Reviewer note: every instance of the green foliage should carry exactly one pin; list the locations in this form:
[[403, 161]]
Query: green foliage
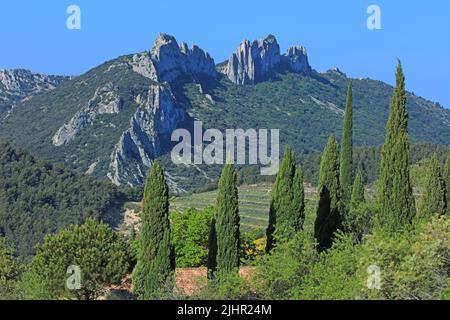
[[357, 191], [413, 264], [360, 219], [227, 286], [329, 209], [446, 177], [298, 199], [446, 295], [346, 163], [212, 250], [434, 200], [394, 185], [252, 246], [190, 230], [281, 272], [39, 198], [332, 277], [156, 260], [10, 272], [227, 222], [102, 256], [286, 212]]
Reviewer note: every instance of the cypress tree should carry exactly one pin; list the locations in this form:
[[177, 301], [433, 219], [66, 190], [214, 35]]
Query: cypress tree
[[227, 222], [329, 209], [346, 164], [299, 200], [446, 176], [156, 259], [212, 250], [394, 185], [357, 191], [433, 201], [282, 208]]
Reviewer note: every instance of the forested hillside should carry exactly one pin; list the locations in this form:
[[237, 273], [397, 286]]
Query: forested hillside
[[39, 198]]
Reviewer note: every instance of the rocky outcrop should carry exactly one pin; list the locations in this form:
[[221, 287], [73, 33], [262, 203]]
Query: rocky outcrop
[[21, 81], [17, 85], [106, 100], [296, 60], [256, 61], [156, 117], [167, 61]]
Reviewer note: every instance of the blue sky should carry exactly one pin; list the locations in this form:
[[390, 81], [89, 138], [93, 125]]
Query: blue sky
[[34, 34]]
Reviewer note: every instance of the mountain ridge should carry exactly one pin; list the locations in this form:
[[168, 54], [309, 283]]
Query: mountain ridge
[[116, 119]]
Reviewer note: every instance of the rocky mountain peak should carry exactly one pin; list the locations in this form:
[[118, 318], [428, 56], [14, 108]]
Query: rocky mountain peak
[[296, 59], [255, 61], [167, 60]]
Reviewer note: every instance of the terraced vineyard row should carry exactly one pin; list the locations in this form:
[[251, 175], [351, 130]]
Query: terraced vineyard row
[[254, 204]]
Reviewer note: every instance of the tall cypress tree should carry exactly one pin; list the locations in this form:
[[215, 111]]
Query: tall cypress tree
[[156, 259], [346, 164], [446, 176], [434, 198], [329, 209], [394, 185], [212, 250], [357, 191], [227, 222], [299, 200], [282, 208]]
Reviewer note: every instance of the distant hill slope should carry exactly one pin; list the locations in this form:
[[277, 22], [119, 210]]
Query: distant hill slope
[[117, 118], [38, 198], [17, 85]]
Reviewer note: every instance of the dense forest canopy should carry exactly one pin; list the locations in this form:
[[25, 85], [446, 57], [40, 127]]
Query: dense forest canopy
[[39, 198]]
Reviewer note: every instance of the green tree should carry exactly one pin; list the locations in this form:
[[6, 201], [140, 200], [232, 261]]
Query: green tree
[[212, 250], [433, 200], [156, 259], [346, 164], [446, 176], [285, 208], [394, 185], [190, 230], [329, 209], [357, 191], [101, 255], [227, 222], [299, 199], [10, 272]]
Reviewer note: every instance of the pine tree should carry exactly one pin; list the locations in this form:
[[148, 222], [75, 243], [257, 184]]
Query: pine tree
[[446, 176], [329, 209], [299, 200], [433, 201], [357, 191], [156, 259], [282, 208], [212, 250], [346, 163], [394, 185], [227, 222]]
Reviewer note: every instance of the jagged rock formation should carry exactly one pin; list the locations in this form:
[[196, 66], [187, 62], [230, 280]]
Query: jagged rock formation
[[296, 60], [105, 101], [167, 61], [19, 84], [157, 116], [157, 112], [256, 61]]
